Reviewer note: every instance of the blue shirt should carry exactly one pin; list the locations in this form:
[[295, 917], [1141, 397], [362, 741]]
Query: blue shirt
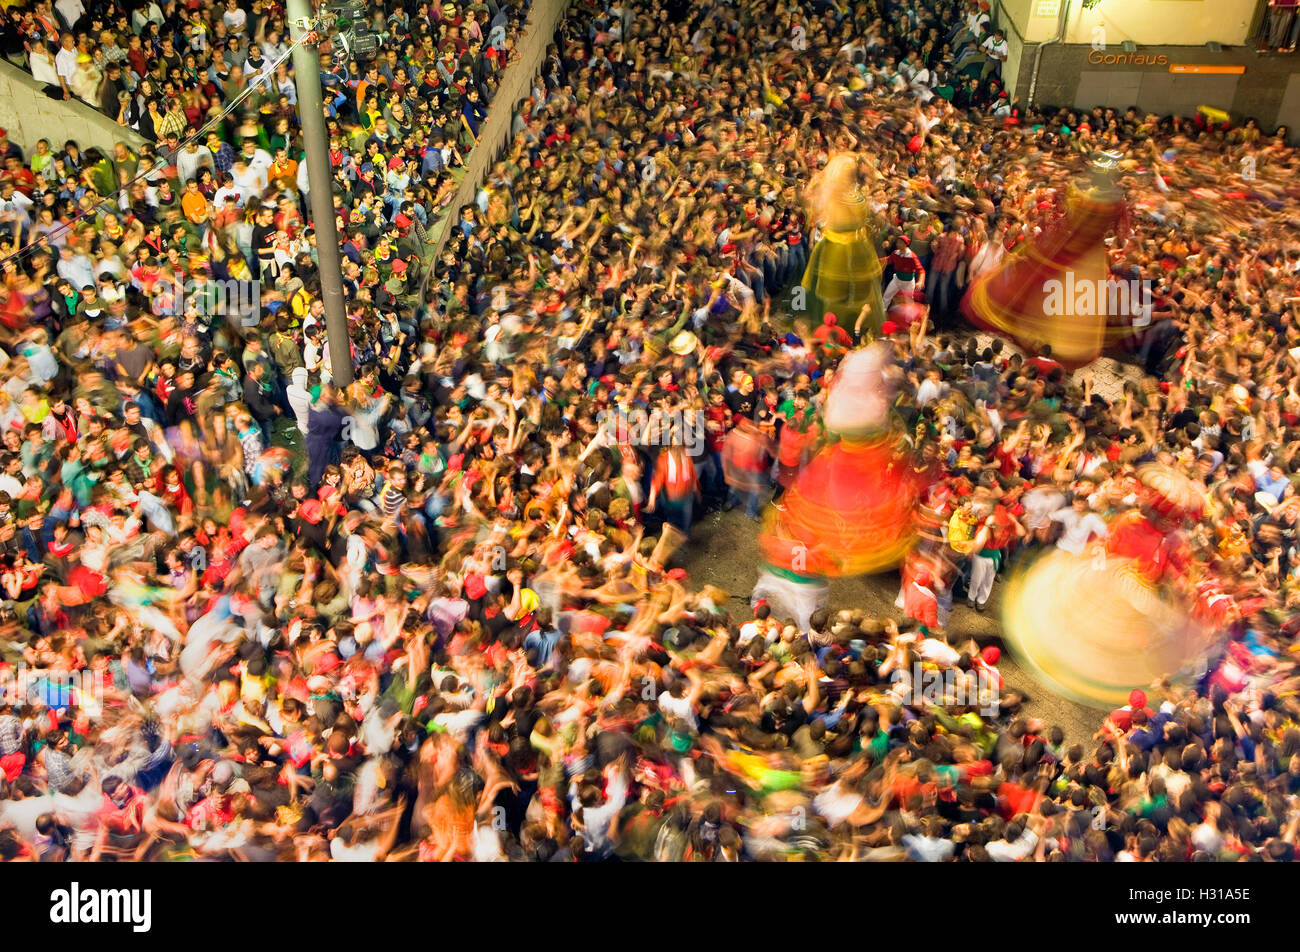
[[1274, 487], [543, 642], [1151, 735]]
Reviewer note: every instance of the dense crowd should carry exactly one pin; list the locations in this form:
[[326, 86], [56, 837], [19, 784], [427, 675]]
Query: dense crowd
[[440, 614], [209, 88]]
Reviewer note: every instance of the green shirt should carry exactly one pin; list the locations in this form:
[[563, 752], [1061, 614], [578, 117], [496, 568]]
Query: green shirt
[[878, 746]]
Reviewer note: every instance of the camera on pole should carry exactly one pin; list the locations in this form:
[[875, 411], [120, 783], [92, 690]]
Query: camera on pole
[[353, 32]]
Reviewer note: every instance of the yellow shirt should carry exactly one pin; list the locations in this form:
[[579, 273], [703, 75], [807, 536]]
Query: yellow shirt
[[961, 531]]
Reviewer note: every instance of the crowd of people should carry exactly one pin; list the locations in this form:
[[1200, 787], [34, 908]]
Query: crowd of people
[[209, 88], [440, 614]]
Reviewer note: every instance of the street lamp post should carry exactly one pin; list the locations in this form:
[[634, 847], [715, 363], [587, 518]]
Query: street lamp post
[[311, 113]]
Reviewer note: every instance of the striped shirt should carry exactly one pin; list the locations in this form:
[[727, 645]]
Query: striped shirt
[[59, 769], [392, 500], [11, 735]]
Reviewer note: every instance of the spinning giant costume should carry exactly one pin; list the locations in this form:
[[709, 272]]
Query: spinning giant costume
[[843, 273], [1056, 288], [1123, 612], [850, 510]]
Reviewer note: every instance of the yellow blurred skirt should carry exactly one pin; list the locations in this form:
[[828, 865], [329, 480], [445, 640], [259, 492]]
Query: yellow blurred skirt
[[842, 276]]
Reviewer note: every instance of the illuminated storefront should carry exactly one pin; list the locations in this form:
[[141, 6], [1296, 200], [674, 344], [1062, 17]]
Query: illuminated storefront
[[1163, 56]]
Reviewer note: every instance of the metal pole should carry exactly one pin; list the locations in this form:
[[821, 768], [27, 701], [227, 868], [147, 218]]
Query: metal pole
[[311, 112], [1038, 53]]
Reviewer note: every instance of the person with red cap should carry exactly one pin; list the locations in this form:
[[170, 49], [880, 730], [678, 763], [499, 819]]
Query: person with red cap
[[985, 664], [1122, 717], [831, 339], [909, 273]]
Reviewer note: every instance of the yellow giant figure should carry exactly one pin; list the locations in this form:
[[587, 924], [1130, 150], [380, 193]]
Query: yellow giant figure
[[843, 273]]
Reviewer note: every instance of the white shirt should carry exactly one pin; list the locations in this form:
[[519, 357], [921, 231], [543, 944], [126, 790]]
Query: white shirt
[[188, 163], [311, 352], [1207, 837], [300, 402], [364, 852], [998, 48], [932, 649], [257, 72], [142, 15], [596, 820], [929, 391], [928, 849], [81, 811], [837, 804], [17, 205], [43, 69], [680, 708], [10, 485], [365, 424], [24, 813], [1039, 505], [260, 160], [65, 63], [1077, 528], [219, 199], [459, 724], [251, 181], [70, 10], [1000, 851]]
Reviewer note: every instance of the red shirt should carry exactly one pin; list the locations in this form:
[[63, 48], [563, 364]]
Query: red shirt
[[793, 441], [1008, 464], [908, 788], [23, 179], [1044, 365], [1002, 533], [746, 451], [1014, 799], [127, 818], [475, 586], [837, 335], [921, 604], [1123, 717], [209, 813], [720, 415], [675, 476]]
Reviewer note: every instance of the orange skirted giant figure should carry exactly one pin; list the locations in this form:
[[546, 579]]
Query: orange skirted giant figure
[[843, 273], [1126, 610], [850, 510], [1057, 288]]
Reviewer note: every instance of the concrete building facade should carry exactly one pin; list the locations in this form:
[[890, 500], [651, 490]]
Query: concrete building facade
[[1163, 56]]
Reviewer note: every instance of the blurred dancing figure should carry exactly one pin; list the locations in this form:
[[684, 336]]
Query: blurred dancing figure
[[843, 275]]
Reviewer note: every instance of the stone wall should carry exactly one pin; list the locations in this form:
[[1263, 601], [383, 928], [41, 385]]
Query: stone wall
[[28, 114]]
